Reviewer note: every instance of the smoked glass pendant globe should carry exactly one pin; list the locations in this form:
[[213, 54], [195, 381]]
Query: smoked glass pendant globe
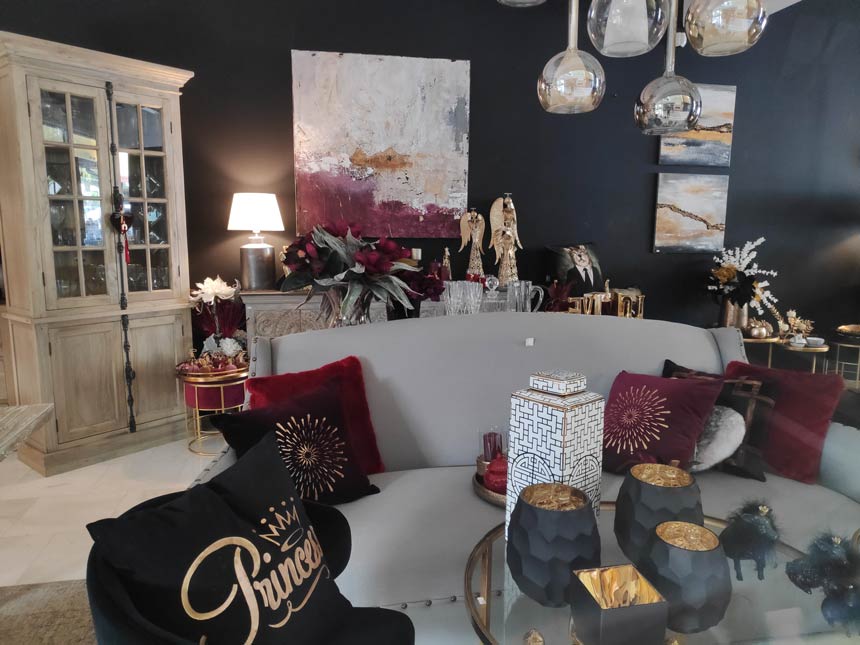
[[521, 3], [624, 28], [572, 82], [724, 27], [667, 105]]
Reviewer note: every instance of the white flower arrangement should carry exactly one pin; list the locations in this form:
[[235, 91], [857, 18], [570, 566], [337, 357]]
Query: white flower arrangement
[[735, 268], [763, 298], [227, 346], [209, 290]]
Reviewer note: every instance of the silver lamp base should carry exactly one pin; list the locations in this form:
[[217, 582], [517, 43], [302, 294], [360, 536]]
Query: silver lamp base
[[258, 267]]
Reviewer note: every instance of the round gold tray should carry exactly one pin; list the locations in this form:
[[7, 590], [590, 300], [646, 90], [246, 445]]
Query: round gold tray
[[496, 499]]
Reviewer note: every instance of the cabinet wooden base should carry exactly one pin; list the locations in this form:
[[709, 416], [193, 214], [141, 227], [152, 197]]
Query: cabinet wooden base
[[112, 446]]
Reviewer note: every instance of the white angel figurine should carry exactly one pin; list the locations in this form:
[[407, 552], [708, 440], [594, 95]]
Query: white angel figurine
[[472, 229], [505, 238]]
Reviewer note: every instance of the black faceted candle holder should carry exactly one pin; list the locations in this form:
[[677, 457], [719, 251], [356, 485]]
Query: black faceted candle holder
[[652, 494], [610, 605], [686, 563], [552, 532]]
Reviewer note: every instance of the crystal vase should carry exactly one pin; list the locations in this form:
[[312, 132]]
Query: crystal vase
[[331, 308]]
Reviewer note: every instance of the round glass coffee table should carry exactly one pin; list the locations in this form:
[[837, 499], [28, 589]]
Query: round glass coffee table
[[772, 610]]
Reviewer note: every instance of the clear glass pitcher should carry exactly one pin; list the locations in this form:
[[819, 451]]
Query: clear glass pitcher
[[521, 295]]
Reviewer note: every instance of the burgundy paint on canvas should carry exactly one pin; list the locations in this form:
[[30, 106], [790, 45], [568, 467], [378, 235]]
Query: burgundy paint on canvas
[[382, 142]]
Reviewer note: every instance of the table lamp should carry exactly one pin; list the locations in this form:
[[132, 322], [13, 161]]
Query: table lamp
[[256, 212]]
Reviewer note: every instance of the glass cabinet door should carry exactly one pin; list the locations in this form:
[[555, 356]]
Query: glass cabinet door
[[70, 148], [142, 167]]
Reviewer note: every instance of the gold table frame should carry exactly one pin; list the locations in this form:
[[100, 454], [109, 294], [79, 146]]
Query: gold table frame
[[193, 416], [854, 384], [806, 349], [769, 341], [478, 601]]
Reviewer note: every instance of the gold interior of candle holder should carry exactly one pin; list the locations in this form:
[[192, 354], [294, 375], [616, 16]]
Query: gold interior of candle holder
[[685, 535], [554, 497], [617, 587], [662, 475]]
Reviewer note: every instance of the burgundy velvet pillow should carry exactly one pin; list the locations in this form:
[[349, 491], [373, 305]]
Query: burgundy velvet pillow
[[804, 405], [348, 381], [650, 419], [312, 442]]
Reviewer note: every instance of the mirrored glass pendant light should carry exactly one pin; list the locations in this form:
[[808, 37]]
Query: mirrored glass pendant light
[[670, 103], [724, 27], [521, 3], [573, 81], [624, 28]]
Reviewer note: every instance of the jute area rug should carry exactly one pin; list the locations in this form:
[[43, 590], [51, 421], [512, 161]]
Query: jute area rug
[[49, 613]]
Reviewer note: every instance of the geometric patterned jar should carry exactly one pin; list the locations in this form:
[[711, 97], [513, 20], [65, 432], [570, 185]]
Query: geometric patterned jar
[[556, 436]]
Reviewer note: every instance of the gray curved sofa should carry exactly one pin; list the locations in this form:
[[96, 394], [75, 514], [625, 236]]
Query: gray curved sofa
[[433, 384]]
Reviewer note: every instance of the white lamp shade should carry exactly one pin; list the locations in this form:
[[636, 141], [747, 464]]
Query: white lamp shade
[[255, 212]]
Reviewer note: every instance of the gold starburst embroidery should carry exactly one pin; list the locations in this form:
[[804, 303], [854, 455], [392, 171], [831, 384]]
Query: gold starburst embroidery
[[313, 454], [635, 419]]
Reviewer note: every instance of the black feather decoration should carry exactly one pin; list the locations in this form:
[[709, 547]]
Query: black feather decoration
[[751, 534]]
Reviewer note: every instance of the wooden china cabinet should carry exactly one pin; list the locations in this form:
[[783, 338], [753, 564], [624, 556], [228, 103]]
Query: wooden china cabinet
[[70, 297]]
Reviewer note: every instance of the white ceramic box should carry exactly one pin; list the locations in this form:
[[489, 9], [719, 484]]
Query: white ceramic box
[[556, 435]]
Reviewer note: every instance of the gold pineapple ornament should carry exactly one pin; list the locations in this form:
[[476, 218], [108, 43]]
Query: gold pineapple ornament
[[472, 230]]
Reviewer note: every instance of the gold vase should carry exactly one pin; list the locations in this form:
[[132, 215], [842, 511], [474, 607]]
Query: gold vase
[[732, 315]]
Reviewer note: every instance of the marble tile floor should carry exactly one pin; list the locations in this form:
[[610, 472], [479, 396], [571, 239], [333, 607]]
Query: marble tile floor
[[42, 519]]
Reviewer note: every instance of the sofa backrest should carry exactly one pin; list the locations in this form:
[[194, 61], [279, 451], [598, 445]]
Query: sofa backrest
[[434, 384]]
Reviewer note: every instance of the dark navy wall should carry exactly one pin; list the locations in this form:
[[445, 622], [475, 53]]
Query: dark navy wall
[[795, 175]]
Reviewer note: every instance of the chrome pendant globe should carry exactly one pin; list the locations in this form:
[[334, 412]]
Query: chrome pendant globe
[[671, 103], [724, 27], [625, 28], [667, 105], [573, 81]]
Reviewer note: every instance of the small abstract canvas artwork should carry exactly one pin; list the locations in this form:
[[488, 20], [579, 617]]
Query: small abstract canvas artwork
[[691, 213], [710, 142], [381, 142]]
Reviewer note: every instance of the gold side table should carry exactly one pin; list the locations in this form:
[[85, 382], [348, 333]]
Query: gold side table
[[770, 342], [210, 394], [806, 349], [853, 367]]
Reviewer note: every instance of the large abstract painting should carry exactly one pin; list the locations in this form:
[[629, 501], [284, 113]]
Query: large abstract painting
[[381, 142], [691, 213], [710, 142]]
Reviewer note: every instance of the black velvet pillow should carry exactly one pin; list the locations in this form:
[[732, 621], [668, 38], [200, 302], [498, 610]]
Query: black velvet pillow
[[312, 441], [235, 559], [754, 401]]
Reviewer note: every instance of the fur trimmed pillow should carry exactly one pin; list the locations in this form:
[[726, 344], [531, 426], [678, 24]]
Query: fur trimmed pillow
[[723, 434]]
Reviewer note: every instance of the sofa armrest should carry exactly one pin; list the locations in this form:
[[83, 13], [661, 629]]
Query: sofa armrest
[[730, 344], [839, 470], [261, 356]]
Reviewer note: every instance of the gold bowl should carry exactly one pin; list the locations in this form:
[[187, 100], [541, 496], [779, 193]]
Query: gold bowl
[[852, 331]]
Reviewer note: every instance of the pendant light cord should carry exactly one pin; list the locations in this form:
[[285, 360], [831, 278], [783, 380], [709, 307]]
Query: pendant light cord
[[572, 24], [671, 34]]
